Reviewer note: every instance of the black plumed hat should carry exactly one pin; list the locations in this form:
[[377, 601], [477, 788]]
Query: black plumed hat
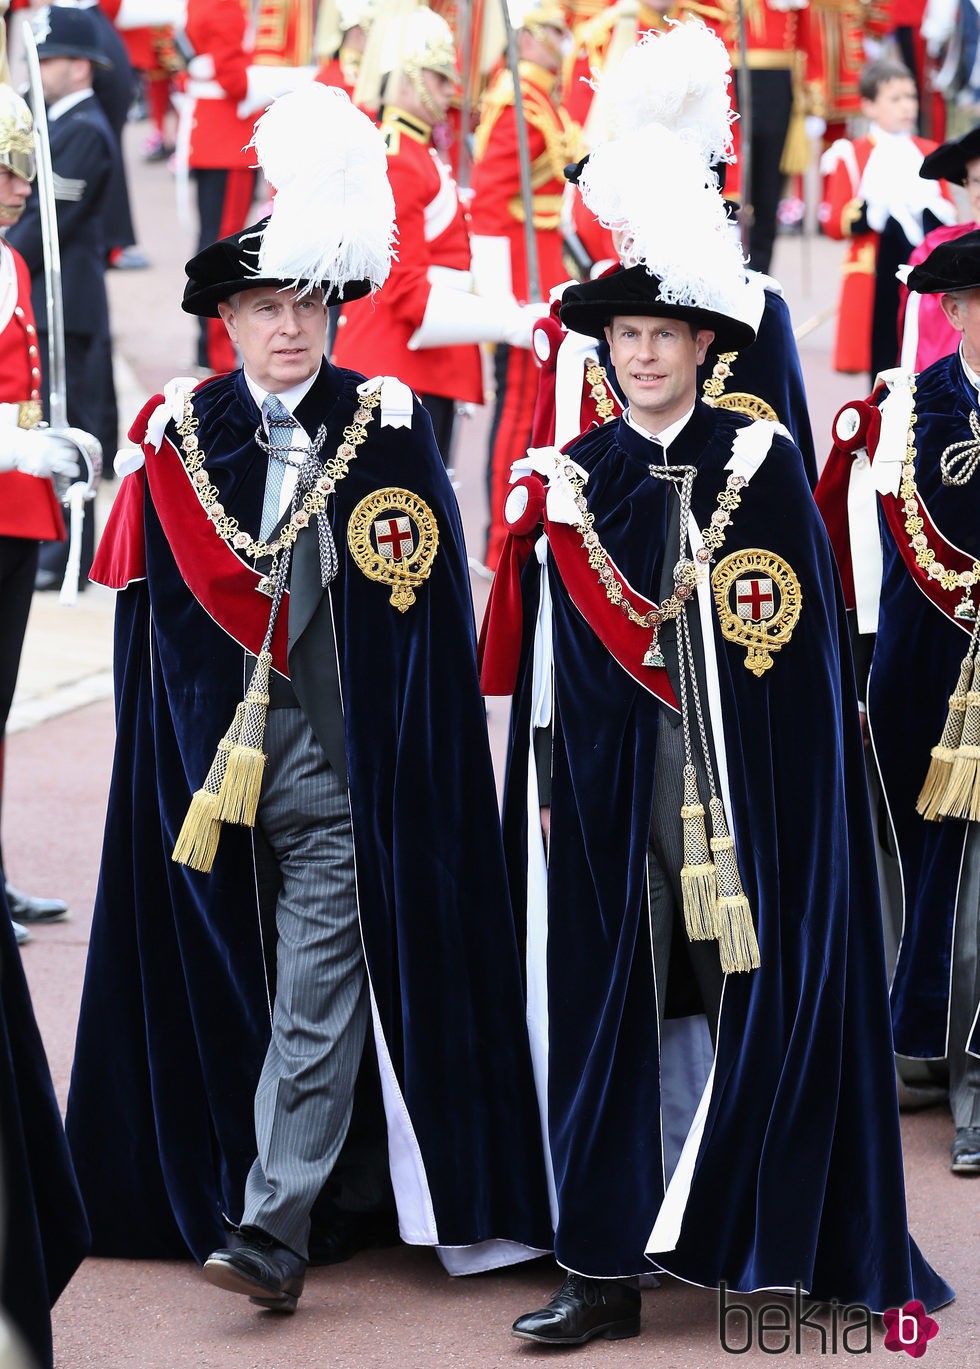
[[231, 264]]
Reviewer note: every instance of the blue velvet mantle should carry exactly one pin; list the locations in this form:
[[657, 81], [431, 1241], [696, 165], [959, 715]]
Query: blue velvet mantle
[[917, 657], [174, 1017], [45, 1235], [799, 1172]]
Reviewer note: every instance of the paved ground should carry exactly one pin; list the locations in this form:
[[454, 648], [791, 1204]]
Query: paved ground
[[390, 1308]]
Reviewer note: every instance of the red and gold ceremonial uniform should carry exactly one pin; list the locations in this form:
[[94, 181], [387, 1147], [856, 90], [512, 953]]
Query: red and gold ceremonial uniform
[[840, 28], [842, 218], [593, 41], [284, 33], [433, 244], [554, 140], [28, 506]]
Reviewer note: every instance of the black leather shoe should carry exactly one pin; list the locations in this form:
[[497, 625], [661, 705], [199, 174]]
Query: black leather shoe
[[24, 908], [582, 1310], [255, 1264], [965, 1156]]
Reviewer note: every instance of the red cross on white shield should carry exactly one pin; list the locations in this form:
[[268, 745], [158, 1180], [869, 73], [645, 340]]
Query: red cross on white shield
[[394, 538], [754, 599]]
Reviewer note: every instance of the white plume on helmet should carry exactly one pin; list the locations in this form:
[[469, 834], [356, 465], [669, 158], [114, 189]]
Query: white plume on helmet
[[677, 77], [671, 218], [333, 217]]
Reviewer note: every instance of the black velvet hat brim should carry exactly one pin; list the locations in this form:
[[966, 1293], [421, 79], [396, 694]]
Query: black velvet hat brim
[[948, 163], [590, 307], [953, 265], [204, 300]]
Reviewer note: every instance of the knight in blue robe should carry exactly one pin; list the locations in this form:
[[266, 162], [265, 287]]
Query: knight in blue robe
[[369, 871], [917, 587], [738, 1126]]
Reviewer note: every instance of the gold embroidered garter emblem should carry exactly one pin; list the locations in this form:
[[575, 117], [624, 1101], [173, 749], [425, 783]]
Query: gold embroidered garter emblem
[[759, 601], [393, 537]]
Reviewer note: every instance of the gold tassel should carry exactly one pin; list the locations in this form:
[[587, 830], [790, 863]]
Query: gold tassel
[[943, 755], [698, 884], [238, 798], [737, 942], [961, 797], [197, 841]]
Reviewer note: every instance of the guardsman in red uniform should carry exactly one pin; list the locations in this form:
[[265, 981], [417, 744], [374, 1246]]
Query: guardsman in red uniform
[[29, 510], [228, 85], [341, 32], [425, 325], [497, 218]]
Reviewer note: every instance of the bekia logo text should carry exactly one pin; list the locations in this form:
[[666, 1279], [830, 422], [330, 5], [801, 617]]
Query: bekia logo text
[[778, 1327]]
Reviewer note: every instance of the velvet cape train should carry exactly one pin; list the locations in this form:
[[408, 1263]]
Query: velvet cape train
[[917, 656], [45, 1231], [798, 1175], [175, 1010]]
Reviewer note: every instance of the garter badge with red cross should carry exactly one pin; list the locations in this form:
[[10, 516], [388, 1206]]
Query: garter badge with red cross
[[393, 538], [759, 601]]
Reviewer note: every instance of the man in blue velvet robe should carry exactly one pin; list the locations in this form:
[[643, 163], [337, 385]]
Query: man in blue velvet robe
[[739, 1126], [373, 875], [920, 592]]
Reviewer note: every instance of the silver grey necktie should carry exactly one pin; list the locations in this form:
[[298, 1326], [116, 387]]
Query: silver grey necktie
[[281, 425]]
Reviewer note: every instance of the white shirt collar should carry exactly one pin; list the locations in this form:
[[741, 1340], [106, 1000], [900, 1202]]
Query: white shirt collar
[[291, 398], [664, 438], [968, 370], [67, 102]]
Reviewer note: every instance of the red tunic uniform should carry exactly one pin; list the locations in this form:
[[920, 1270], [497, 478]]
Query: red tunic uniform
[[218, 137], [28, 506], [373, 334], [593, 39], [554, 141]]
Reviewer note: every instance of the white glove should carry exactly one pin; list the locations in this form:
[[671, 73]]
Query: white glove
[[815, 126], [455, 318], [38, 452], [520, 325], [266, 84]]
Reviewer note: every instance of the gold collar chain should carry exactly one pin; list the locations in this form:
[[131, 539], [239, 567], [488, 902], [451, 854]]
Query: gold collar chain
[[314, 501], [925, 557], [687, 574]]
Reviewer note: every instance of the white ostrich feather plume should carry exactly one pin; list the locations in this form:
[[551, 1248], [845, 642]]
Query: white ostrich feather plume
[[654, 191], [333, 217], [678, 77]]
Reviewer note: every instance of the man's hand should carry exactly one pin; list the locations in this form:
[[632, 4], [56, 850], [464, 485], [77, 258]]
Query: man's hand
[[546, 828]]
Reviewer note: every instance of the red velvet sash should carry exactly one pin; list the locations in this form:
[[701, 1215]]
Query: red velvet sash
[[222, 583], [500, 637], [951, 557]]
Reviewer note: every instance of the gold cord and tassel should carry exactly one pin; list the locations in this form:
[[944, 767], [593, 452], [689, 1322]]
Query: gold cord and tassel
[[197, 842], [929, 802], [698, 882], [961, 797], [737, 941], [242, 783]]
